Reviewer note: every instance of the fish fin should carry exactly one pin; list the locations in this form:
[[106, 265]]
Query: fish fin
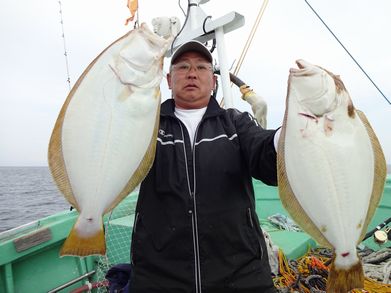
[[56, 160], [77, 245], [288, 198], [342, 281], [145, 164], [380, 173]]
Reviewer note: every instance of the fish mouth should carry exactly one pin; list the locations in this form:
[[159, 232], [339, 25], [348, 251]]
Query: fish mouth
[[313, 88], [300, 64], [304, 68]]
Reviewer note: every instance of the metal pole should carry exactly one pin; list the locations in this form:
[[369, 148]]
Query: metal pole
[[225, 81], [72, 282]]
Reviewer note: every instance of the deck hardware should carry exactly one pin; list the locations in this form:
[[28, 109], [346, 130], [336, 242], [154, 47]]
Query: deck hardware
[[71, 282]]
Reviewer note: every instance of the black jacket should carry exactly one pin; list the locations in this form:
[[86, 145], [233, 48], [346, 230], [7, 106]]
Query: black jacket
[[195, 226]]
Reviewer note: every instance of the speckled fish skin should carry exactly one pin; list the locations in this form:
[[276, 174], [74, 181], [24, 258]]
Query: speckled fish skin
[[331, 167], [103, 143]]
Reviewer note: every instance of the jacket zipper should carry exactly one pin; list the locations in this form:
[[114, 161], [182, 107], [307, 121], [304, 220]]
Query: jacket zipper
[[135, 222], [134, 231], [193, 212]]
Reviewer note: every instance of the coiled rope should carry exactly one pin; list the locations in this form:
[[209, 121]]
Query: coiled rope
[[309, 273]]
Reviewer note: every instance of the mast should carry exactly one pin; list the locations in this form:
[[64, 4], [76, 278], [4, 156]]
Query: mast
[[200, 27]]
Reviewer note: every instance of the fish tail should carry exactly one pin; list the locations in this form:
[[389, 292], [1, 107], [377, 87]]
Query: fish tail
[[344, 280], [82, 245]]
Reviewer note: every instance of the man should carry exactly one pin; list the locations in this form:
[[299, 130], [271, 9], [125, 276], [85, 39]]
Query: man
[[195, 227]]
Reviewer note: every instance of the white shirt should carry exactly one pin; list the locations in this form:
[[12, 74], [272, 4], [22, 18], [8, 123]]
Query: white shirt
[[191, 118]]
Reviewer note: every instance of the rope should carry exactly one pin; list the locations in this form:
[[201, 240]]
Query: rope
[[248, 42], [309, 273], [251, 37], [346, 50], [65, 47], [284, 222]]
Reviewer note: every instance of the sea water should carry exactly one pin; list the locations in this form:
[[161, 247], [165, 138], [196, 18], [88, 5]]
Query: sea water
[[27, 194]]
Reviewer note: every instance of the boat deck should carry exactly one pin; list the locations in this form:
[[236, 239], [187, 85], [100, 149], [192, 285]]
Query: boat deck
[[29, 255]]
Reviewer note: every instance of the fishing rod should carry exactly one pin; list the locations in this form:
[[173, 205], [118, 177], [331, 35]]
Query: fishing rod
[[65, 47], [233, 78], [377, 228], [257, 102]]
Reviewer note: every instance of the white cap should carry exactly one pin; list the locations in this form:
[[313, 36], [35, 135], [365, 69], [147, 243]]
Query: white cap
[[192, 46]]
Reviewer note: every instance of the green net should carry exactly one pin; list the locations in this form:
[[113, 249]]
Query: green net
[[118, 230]]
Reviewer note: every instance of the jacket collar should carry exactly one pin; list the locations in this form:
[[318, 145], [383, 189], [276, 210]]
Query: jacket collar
[[213, 109]]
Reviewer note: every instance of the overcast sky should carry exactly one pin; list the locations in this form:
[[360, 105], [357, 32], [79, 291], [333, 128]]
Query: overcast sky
[[33, 72]]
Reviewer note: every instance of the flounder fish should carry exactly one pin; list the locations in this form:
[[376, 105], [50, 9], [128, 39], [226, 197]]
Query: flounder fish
[[331, 169], [103, 143]]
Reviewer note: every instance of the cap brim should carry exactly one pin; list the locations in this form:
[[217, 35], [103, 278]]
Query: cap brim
[[194, 46]]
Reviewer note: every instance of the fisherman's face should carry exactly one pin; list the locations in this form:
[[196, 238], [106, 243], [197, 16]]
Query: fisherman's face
[[191, 81]]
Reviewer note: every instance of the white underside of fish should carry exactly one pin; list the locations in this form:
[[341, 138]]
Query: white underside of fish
[[340, 171], [103, 143], [105, 137], [330, 164]]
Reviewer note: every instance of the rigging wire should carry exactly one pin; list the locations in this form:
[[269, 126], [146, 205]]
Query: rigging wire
[[248, 42], [65, 47], [183, 26], [251, 37], [346, 50]]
